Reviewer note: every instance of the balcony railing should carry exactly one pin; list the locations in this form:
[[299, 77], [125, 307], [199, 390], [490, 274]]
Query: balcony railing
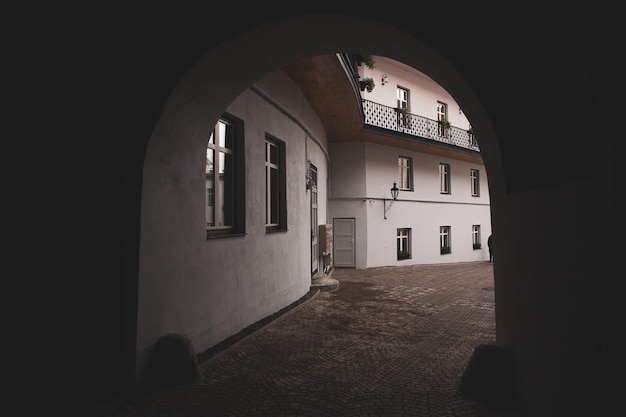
[[390, 118]]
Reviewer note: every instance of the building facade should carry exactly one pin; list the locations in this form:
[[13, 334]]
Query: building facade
[[252, 198], [441, 212], [275, 188]]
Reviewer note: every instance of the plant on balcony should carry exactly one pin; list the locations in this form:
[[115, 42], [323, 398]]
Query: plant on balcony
[[368, 60], [403, 116], [402, 110], [445, 124], [472, 139], [445, 250], [367, 84]]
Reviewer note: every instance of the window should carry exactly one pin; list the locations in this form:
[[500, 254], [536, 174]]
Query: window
[[404, 243], [402, 95], [275, 180], [444, 178], [476, 236], [474, 182], [225, 179], [445, 245], [442, 118], [405, 173]]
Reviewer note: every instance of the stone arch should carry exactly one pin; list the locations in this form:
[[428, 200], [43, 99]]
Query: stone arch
[[170, 190]]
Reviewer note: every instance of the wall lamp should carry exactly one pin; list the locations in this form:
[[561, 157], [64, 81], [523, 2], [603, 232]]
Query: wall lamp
[[385, 79], [394, 195]]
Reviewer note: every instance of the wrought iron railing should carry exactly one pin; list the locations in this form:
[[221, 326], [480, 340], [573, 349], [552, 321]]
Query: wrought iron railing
[[391, 118]]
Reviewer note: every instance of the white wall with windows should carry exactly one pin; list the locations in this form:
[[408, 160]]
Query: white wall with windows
[[442, 213], [216, 211], [408, 88], [418, 214], [260, 158]]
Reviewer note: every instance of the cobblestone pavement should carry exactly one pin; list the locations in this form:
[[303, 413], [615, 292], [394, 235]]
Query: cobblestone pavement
[[391, 341]]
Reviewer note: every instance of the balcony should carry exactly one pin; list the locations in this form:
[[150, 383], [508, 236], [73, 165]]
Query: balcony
[[419, 127]]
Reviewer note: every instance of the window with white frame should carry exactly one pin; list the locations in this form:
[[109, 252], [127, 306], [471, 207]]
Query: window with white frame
[[444, 178], [402, 95], [442, 118], [475, 182], [445, 242], [275, 180], [403, 243], [476, 236], [224, 178], [405, 173]]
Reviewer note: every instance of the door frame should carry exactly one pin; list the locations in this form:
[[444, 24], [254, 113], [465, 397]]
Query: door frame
[[339, 236]]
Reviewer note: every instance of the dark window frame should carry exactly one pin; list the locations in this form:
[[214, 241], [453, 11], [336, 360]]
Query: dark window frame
[[409, 170], [281, 224], [445, 240], [406, 254], [238, 227]]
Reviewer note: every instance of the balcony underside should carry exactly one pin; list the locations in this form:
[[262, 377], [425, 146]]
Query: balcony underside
[[323, 82]]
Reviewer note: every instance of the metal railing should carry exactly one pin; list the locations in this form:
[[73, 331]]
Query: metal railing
[[391, 118]]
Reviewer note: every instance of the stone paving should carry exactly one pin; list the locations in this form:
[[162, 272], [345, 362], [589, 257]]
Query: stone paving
[[390, 341]]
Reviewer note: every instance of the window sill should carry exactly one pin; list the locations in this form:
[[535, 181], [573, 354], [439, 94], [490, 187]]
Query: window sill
[[223, 235], [275, 230]]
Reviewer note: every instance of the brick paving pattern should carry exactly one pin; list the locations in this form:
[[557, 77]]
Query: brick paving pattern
[[390, 341]]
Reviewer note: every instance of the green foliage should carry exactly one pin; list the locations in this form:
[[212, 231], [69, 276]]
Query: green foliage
[[367, 84], [445, 123], [368, 60]]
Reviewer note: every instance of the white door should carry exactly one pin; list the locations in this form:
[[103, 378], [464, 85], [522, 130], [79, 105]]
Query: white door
[[314, 226], [343, 243]]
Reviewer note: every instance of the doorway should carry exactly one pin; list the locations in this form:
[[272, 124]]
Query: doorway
[[312, 182], [344, 253]]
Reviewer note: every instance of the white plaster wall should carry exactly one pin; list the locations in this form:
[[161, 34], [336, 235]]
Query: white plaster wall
[[209, 289], [347, 169], [354, 208], [347, 188], [423, 210], [424, 92]]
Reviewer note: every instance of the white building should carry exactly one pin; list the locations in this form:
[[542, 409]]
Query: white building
[[442, 210], [283, 174]]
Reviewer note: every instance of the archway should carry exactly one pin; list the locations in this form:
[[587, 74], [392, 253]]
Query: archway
[[171, 210], [87, 88]]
